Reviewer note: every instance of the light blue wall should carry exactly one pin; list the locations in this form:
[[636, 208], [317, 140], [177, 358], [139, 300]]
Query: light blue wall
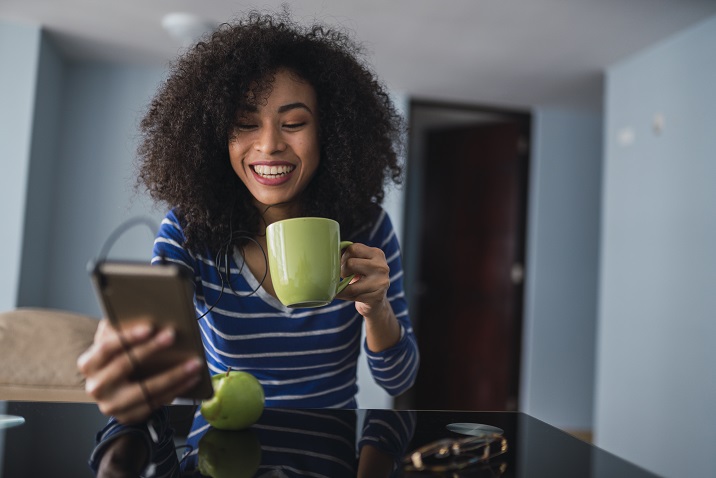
[[68, 138], [67, 145], [562, 266], [370, 394], [94, 177], [656, 375], [40, 193], [19, 52]]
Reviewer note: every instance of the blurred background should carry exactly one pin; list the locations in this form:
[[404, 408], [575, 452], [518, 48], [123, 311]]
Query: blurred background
[[557, 217]]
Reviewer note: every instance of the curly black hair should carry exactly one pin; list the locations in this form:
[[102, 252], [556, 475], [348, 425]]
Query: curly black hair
[[183, 152]]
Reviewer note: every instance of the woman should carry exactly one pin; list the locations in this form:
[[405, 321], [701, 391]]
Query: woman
[[264, 121]]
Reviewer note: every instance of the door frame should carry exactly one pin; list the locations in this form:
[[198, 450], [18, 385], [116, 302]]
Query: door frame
[[425, 113]]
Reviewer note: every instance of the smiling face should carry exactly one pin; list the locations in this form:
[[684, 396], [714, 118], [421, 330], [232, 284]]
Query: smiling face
[[274, 148]]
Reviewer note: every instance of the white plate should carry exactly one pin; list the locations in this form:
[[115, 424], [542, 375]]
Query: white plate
[[474, 429], [7, 421]]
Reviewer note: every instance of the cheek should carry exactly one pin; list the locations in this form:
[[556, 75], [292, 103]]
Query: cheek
[[238, 171], [313, 153], [236, 156]]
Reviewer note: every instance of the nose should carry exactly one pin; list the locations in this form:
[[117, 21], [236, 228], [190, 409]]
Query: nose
[[270, 140]]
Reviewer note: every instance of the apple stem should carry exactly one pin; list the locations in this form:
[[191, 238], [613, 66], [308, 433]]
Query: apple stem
[[227, 372]]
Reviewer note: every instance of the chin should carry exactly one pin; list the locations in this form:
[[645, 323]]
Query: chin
[[274, 201]]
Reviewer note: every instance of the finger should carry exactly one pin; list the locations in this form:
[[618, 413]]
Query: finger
[[368, 288], [129, 406], [360, 286], [101, 329], [365, 267], [363, 294], [108, 344], [175, 381], [118, 370], [360, 250], [134, 403], [136, 330]]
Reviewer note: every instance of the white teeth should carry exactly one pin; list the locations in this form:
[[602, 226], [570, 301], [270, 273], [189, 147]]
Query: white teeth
[[272, 171]]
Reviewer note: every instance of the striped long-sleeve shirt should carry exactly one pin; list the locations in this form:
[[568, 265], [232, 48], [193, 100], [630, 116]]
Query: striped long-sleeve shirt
[[304, 358]]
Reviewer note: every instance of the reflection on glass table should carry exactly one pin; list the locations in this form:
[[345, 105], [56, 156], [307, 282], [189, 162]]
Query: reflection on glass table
[[300, 443], [58, 439], [8, 421]]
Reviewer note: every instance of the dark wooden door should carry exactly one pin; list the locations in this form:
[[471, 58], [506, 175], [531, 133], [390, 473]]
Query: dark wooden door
[[469, 313]]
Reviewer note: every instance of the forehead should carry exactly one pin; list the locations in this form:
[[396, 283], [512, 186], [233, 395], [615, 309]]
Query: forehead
[[285, 87]]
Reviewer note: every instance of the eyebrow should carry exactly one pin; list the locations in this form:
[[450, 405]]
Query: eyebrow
[[293, 106], [282, 109]]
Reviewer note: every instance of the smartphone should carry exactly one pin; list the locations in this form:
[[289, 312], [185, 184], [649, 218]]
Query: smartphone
[[161, 294]]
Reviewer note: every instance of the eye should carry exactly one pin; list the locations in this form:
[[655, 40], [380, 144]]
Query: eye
[[291, 126], [246, 127]]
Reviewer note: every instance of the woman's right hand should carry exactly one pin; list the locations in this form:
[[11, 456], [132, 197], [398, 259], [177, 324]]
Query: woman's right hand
[[107, 370]]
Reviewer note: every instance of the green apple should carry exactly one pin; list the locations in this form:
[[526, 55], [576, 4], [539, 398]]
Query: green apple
[[237, 403], [224, 453]]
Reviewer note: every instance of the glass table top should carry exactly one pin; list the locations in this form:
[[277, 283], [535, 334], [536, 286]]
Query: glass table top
[[57, 439]]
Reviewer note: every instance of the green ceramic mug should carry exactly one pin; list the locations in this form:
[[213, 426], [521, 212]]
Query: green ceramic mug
[[304, 255]]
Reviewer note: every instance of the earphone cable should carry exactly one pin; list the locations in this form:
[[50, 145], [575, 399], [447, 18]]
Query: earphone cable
[[121, 229], [227, 269], [102, 256]]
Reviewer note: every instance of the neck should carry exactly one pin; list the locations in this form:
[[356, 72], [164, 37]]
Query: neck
[[278, 212]]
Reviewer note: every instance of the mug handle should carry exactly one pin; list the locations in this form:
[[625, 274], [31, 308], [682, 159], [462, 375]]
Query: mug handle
[[344, 282]]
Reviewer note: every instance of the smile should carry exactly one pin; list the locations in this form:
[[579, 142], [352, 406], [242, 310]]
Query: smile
[[272, 172]]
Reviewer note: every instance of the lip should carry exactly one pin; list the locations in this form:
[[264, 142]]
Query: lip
[[272, 181]]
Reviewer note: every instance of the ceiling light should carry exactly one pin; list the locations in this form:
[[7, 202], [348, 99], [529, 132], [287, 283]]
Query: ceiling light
[[186, 28]]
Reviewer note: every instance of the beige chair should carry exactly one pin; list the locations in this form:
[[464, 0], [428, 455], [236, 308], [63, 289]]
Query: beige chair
[[38, 354]]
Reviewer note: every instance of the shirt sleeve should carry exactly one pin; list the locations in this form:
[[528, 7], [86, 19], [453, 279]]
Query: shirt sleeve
[[168, 245], [396, 368]]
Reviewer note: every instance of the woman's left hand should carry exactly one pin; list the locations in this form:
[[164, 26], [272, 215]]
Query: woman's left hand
[[369, 287], [369, 290]]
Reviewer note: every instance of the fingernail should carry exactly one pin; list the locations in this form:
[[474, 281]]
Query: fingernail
[[81, 360], [193, 365], [141, 330], [166, 336]]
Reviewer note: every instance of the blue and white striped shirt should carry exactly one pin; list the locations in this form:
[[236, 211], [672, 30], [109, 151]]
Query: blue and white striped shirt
[[304, 358]]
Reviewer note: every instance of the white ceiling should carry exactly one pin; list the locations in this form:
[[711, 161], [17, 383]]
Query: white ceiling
[[501, 52]]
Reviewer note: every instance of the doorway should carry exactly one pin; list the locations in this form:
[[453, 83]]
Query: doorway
[[467, 177]]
